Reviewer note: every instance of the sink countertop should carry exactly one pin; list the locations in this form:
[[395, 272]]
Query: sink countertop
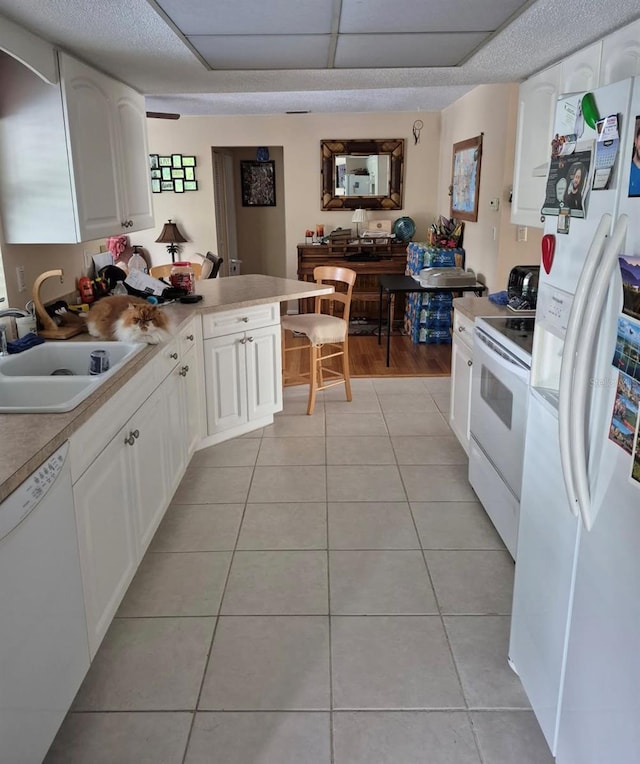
[[477, 307], [29, 439]]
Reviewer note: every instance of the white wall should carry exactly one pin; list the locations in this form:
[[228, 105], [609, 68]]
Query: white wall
[[490, 243]]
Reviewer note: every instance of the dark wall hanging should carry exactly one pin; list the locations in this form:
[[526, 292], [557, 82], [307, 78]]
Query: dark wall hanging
[[258, 183], [173, 173]]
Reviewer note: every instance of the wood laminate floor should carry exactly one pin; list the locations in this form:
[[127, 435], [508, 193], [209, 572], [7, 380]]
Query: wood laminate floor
[[368, 358]]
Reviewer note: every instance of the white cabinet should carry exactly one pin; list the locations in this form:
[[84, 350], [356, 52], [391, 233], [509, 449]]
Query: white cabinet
[[243, 371], [122, 489], [104, 499], [581, 71], [85, 142], [621, 54], [536, 114], [461, 368]]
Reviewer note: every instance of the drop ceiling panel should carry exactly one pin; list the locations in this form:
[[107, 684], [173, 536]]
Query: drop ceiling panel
[[400, 50], [411, 16], [244, 17], [263, 51]]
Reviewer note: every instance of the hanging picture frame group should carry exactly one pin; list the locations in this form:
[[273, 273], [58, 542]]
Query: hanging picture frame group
[[173, 173]]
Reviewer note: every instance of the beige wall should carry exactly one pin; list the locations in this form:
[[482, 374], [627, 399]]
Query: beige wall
[[490, 243], [299, 135]]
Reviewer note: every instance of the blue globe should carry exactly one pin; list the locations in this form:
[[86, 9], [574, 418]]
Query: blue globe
[[404, 228]]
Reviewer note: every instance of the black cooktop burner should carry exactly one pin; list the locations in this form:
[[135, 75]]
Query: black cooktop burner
[[518, 329]]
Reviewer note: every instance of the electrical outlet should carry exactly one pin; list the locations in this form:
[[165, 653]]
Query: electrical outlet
[[521, 234], [495, 204], [22, 284]]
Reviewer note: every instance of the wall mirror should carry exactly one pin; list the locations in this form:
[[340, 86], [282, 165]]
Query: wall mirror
[[362, 173]]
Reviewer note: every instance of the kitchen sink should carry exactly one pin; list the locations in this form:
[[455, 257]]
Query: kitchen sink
[[54, 377]]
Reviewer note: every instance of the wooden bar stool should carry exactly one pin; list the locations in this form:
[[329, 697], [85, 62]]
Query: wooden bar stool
[[324, 329]]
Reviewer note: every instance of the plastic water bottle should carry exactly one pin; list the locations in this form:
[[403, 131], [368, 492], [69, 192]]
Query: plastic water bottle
[[137, 262]]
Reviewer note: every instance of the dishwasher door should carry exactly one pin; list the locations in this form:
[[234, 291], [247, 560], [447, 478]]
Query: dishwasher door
[[44, 651]]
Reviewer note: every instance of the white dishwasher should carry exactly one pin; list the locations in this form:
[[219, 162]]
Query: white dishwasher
[[44, 651]]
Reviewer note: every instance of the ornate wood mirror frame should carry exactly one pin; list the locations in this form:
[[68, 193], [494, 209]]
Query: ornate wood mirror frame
[[330, 150]]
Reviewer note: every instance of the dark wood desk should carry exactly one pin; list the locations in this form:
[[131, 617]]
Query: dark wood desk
[[394, 285], [388, 257]]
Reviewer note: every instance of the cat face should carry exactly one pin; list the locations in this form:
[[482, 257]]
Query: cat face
[[142, 323]]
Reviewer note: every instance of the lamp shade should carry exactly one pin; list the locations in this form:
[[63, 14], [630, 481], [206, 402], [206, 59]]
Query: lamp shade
[[359, 216], [170, 234]]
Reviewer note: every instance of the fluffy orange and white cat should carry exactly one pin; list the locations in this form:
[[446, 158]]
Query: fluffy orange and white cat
[[125, 318]]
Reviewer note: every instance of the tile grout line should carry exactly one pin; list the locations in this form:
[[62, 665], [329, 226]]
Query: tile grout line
[[215, 628]]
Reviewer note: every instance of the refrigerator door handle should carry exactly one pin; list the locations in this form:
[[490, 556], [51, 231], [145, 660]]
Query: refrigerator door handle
[[566, 411], [581, 377]]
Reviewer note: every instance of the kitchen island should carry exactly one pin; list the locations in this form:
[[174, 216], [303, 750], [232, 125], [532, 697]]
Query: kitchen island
[[29, 439]]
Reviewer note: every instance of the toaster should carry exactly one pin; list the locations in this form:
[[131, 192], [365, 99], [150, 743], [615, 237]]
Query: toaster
[[523, 285]]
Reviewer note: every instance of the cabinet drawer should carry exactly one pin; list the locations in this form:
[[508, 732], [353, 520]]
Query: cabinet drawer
[[463, 328], [189, 336], [230, 321], [167, 359]]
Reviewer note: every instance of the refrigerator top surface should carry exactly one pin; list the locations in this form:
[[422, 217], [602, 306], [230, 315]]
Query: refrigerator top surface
[[514, 332]]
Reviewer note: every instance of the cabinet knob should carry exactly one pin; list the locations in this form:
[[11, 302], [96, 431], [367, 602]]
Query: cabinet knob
[[174, 356], [129, 440], [245, 319], [461, 328], [183, 371], [250, 339], [190, 337], [243, 341], [469, 363], [136, 434]]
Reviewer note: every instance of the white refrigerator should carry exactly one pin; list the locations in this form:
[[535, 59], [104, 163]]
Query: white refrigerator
[[575, 632]]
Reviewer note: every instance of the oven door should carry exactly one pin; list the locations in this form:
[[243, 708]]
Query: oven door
[[499, 399]]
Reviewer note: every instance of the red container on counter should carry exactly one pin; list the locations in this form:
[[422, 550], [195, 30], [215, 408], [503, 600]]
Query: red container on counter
[[85, 289], [183, 277]]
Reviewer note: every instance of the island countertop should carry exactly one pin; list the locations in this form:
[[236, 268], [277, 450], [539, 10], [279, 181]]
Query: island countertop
[[29, 439]]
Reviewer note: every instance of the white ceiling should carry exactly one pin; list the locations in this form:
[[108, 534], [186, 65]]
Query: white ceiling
[[254, 57]]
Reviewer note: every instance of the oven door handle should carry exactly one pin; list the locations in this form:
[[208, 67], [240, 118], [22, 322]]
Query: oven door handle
[[567, 411], [509, 366]]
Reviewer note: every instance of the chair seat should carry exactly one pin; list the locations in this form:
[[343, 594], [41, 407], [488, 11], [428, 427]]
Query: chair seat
[[319, 328]]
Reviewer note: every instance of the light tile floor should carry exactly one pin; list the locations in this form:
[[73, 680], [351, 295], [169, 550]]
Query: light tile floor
[[325, 591]]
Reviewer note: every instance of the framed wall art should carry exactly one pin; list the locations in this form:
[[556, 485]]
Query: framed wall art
[[172, 173], [258, 183], [465, 178]]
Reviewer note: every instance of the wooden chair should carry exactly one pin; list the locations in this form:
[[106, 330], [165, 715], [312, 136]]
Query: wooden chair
[[164, 271], [324, 330], [217, 261]]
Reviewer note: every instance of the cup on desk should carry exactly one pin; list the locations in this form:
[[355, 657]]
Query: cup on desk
[[26, 325]]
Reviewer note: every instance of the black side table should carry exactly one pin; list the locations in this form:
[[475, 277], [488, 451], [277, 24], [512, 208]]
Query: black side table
[[393, 285]]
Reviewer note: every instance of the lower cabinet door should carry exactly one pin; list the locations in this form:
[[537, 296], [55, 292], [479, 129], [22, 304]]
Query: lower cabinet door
[[104, 498], [149, 459], [264, 371], [225, 372], [192, 391], [461, 362]]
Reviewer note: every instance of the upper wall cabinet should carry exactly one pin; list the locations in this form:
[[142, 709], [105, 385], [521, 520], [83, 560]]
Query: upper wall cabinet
[[581, 71], [536, 112], [74, 157], [621, 54]]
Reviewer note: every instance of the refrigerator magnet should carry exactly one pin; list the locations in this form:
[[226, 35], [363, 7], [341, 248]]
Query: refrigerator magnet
[[564, 218]]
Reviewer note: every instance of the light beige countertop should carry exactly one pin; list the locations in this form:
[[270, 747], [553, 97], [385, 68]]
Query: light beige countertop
[[476, 307], [28, 439]]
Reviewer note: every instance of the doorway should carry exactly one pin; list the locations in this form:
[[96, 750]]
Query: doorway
[[252, 236]]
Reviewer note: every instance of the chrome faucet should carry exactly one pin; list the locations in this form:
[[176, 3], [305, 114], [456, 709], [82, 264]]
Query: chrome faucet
[[3, 341]]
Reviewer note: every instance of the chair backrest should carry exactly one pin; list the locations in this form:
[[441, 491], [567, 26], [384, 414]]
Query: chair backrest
[[217, 264], [337, 275], [164, 271]]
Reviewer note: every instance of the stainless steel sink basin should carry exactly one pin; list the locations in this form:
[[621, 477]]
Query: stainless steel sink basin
[[54, 377]]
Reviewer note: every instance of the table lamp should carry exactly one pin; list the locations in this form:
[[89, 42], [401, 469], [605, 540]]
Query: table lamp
[[171, 236], [359, 216]]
